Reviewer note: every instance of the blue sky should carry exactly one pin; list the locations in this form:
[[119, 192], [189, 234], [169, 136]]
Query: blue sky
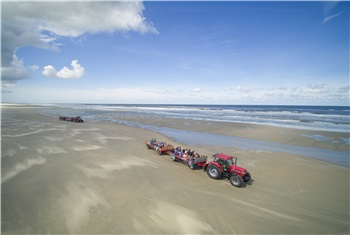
[[176, 52]]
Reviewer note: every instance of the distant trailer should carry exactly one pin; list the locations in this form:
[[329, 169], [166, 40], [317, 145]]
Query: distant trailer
[[159, 146]]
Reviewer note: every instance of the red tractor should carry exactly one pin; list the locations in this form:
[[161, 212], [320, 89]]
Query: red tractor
[[225, 166]]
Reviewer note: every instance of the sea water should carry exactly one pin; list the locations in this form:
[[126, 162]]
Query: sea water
[[327, 118]]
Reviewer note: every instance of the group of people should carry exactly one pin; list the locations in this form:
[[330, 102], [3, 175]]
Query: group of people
[[178, 151], [192, 159], [188, 156], [158, 144], [185, 153]]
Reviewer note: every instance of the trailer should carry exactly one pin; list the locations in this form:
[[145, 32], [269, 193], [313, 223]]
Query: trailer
[[159, 146], [190, 161]]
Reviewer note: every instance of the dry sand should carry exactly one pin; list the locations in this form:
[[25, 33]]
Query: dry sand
[[97, 178]]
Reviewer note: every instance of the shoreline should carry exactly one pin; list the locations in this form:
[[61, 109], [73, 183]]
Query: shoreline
[[98, 177], [331, 140]]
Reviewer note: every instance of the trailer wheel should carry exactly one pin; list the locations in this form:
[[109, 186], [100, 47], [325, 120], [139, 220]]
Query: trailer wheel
[[236, 180], [190, 165], [214, 172]]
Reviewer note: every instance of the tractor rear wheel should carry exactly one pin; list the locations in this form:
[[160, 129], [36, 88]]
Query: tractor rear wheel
[[236, 180], [214, 172]]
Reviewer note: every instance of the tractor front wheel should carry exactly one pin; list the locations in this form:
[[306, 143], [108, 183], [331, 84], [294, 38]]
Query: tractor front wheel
[[236, 180], [247, 177], [214, 172]]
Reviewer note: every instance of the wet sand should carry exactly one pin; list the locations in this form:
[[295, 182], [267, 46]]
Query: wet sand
[[64, 178]]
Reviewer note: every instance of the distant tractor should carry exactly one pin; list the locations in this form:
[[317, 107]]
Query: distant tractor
[[225, 166], [71, 119]]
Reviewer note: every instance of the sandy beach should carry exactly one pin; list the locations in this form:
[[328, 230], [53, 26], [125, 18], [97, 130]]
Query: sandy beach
[[97, 178]]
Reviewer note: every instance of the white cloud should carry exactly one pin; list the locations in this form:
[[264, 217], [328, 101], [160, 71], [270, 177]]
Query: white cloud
[[328, 11], [245, 89], [33, 67], [292, 95], [13, 69], [40, 24], [317, 89], [344, 89], [328, 18], [65, 73]]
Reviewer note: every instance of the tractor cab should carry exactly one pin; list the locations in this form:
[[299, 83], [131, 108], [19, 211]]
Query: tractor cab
[[227, 162]]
